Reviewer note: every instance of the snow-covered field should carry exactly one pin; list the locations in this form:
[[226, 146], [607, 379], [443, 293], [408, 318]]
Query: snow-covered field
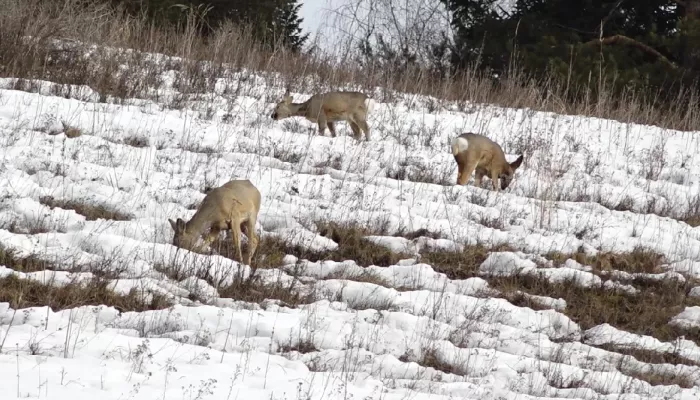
[[586, 185]]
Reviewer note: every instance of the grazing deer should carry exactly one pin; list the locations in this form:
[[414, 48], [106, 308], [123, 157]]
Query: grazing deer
[[478, 153], [327, 108], [233, 206]]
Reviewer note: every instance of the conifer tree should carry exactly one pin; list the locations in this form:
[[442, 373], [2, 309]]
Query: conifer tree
[[652, 45]]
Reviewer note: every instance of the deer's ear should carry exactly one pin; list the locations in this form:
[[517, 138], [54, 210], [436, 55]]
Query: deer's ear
[[515, 164], [180, 224], [287, 99]]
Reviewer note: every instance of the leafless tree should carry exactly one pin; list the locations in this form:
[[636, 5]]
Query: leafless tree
[[391, 33]]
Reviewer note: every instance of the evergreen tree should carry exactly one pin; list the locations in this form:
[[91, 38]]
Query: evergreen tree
[[272, 21], [651, 45]]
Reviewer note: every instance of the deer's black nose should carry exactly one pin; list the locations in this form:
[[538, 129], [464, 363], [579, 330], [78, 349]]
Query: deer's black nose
[[274, 116]]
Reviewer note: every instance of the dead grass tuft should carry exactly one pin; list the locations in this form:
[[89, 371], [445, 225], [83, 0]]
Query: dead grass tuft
[[692, 220], [302, 346], [422, 232], [71, 132], [30, 225], [10, 259], [269, 253], [253, 291], [429, 358], [461, 264], [639, 260], [350, 238], [650, 356], [89, 211], [136, 141], [243, 289], [352, 245], [364, 277], [520, 299], [656, 378], [23, 293], [645, 313]]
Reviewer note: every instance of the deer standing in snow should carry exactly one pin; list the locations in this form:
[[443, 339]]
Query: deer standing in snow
[[233, 206], [327, 108], [474, 152]]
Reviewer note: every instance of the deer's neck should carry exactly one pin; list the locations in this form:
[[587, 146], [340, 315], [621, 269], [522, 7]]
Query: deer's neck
[[299, 109], [198, 223]]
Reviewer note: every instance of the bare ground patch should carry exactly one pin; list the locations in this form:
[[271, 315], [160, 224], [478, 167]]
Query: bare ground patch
[[91, 212]]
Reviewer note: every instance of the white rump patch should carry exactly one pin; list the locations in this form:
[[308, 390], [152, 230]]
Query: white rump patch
[[459, 144]]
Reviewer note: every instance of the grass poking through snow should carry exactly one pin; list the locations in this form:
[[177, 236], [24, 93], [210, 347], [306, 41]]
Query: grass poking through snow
[[23, 293]]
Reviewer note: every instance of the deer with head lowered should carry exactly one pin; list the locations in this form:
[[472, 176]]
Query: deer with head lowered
[[233, 206], [328, 108], [478, 153]]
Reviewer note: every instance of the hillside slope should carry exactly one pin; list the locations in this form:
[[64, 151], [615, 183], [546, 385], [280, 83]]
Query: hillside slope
[[378, 277]]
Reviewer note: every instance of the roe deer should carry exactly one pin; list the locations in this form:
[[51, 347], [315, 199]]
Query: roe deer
[[474, 152], [233, 206], [327, 108]]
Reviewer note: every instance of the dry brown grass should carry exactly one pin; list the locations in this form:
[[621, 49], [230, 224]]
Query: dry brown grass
[[254, 291], [303, 347], [645, 313], [11, 259], [23, 293], [269, 253], [656, 378], [117, 75], [430, 359], [366, 276], [692, 220], [639, 260], [350, 238], [650, 356], [462, 264], [249, 289], [136, 141], [89, 211]]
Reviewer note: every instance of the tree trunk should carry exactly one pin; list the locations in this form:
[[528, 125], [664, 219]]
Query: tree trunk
[[690, 33]]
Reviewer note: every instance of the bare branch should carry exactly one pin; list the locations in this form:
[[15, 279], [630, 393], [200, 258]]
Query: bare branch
[[627, 41], [395, 27]]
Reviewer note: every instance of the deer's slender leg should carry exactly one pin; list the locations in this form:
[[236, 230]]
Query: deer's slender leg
[[478, 176], [322, 123], [364, 127], [252, 239], [494, 181], [235, 228], [331, 127], [355, 129], [466, 166]]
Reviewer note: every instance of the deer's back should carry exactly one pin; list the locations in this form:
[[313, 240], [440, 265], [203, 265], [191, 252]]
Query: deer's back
[[221, 201], [337, 103], [488, 152], [483, 144]]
